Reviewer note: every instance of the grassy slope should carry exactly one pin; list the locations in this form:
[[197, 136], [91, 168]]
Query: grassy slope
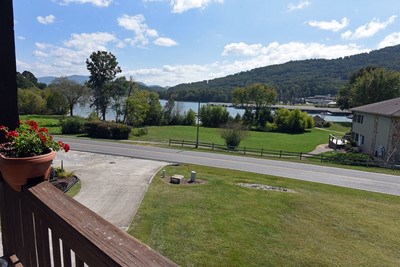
[[274, 141], [221, 224]]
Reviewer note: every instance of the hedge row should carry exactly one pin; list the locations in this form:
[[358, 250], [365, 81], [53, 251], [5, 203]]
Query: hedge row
[[107, 130], [350, 159]]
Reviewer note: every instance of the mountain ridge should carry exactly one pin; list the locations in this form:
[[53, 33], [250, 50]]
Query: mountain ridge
[[293, 79]]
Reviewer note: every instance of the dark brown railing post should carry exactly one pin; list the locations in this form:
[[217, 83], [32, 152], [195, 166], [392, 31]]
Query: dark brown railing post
[[7, 239], [8, 80]]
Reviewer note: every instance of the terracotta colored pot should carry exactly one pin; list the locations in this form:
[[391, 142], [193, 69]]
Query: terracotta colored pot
[[16, 171]]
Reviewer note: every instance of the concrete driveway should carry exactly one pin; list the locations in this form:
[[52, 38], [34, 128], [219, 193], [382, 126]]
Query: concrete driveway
[[112, 186]]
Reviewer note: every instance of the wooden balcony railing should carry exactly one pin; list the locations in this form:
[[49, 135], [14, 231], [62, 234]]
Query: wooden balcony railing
[[41, 226]]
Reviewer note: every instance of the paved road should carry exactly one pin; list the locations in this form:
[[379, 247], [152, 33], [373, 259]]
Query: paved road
[[374, 182]]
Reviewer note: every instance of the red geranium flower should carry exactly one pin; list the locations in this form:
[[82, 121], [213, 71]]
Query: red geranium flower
[[11, 134], [43, 138], [66, 147], [43, 130], [33, 125]]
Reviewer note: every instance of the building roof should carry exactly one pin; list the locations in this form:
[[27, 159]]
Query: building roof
[[390, 108]]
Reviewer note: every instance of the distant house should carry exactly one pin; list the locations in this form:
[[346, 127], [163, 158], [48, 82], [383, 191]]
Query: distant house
[[376, 129], [319, 121]]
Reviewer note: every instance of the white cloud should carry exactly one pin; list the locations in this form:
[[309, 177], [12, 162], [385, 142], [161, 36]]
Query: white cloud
[[390, 40], [143, 33], [369, 29], [89, 42], [180, 6], [71, 56], [258, 56], [162, 41], [300, 5], [242, 49], [332, 25], [46, 20], [21, 37], [21, 66], [139, 27], [98, 3]]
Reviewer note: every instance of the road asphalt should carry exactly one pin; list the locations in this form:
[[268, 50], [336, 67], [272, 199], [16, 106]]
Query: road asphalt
[[375, 182]]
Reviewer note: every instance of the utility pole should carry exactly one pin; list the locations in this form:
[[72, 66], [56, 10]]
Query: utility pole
[[198, 122]]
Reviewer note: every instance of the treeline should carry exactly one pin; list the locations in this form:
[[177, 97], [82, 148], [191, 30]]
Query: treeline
[[292, 80]]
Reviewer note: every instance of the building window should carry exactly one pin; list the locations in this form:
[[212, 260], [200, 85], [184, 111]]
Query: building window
[[362, 139], [359, 119]]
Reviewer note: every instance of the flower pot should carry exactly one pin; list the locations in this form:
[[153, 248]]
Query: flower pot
[[16, 171]]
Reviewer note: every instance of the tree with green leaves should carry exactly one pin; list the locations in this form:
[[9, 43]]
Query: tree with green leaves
[[103, 68], [369, 85], [256, 97], [56, 103], [30, 101], [213, 116], [74, 92], [190, 118], [119, 89], [137, 106], [167, 111], [154, 115]]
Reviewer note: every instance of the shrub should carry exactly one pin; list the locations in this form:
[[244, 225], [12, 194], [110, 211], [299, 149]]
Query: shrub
[[90, 127], [103, 130], [72, 125], [349, 158], [271, 127], [93, 116], [233, 134], [107, 130], [120, 131], [327, 124], [140, 131]]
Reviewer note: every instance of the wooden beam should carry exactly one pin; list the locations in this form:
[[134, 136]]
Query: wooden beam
[[8, 83]]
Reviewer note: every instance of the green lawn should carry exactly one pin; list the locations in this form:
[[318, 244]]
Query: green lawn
[[340, 127], [221, 224], [272, 141], [51, 122], [268, 140]]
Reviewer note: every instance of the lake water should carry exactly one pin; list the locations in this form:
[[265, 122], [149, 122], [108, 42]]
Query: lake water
[[186, 106]]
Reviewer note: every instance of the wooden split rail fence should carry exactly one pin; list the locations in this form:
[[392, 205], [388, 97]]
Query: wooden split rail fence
[[246, 150]]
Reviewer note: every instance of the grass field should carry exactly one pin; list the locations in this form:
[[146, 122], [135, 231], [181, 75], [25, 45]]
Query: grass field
[[51, 122], [268, 140], [222, 224]]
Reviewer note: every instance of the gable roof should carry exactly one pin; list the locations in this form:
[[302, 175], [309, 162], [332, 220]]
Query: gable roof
[[389, 108]]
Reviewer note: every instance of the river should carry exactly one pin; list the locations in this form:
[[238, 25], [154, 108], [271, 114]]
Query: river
[[185, 106]]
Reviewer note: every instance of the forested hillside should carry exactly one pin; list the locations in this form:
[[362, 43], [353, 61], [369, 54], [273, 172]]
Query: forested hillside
[[292, 80]]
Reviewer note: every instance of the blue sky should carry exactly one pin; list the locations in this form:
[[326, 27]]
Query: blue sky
[[167, 42]]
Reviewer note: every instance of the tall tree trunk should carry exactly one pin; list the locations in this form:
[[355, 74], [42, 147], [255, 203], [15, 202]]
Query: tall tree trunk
[[8, 77], [71, 110]]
